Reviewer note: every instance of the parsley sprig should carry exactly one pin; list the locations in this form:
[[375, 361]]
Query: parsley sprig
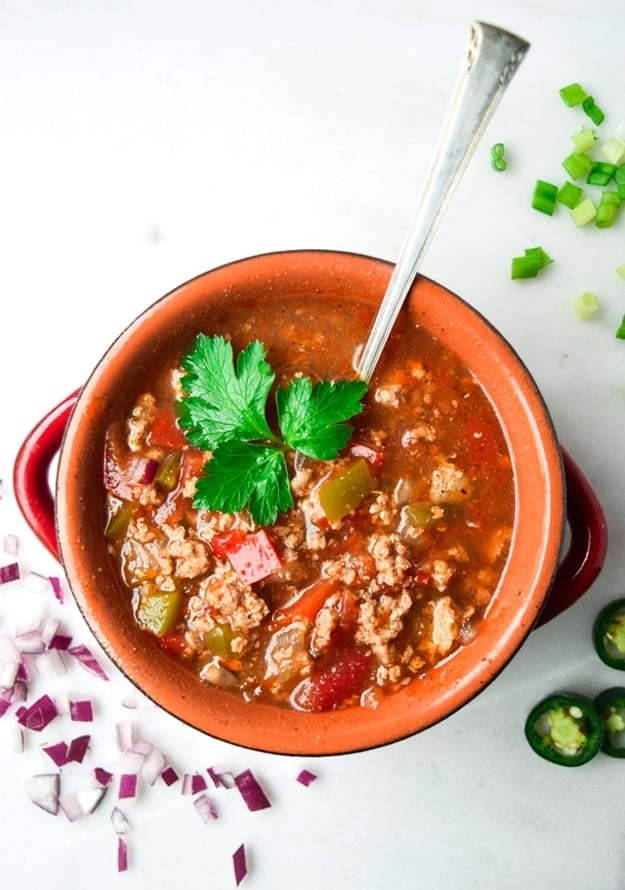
[[224, 411]]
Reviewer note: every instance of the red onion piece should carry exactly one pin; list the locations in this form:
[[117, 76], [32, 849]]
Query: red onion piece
[[122, 854], [305, 777], [193, 783], [70, 807], [153, 766], [29, 641], [127, 785], [90, 797], [88, 660], [58, 753], [81, 711], [11, 545], [221, 778], [240, 864], [102, 776], [205, 808], [169, 775], [43, 790], [10, 572], [57, 588], [144, 470], [251, 791], [51, 662], [60, 641], [125, 735], [78, 748], [119, 822], [39, 714]]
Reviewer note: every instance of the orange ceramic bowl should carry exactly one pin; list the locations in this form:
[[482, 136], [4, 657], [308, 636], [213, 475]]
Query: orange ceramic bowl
[[171, 324]]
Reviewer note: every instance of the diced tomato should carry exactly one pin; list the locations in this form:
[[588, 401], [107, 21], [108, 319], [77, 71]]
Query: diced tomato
[[176, 644], [373, 456], [340, 678], [253, 557], [164, 429], [307, 603]]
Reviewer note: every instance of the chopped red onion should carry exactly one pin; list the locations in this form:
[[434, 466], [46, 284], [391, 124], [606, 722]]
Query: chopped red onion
[[29, 641], [88, 660], [9, 572], [9, 672], [193, 783], [39, 714], [205, 808], [51, 662], [44, 790], [122, 854], [153, 766], [90, 797], [169, 775], [144, 470], [60, 641], [131, 762], [81, 711], [20, 691], [240, 864], [17, 743], [125, 735], [70, 806], [78, 748], [221, 778], [102, 776], [57, 753], [57, 588], [5, 704], [11, 545], [251, 791], [127, 785], [120, 823], [49, 630], [305, 777]]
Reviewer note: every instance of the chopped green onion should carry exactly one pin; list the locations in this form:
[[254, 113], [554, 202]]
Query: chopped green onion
[[584, 212], [613, 150], [619, 179], [577, 165], [607, 209], [529, 265], [586, 305], [620, 333], [600, 173], [497, 160], [570, 195], [620, 270], [573, 94], [593, 111], [544, 198], [584, 140]]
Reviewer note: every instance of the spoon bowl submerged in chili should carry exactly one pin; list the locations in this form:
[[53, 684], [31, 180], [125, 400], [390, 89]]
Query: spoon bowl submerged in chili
[[409, 569]]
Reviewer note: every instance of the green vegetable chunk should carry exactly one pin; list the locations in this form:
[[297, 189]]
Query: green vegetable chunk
[[342, 493], [609, 634], [565, 729], [159, 612], [573, 94], [610, 705], [544, 198]]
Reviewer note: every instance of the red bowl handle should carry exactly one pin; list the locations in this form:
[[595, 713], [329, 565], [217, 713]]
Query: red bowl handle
[[31, 473], [577, 571], [588, 544]]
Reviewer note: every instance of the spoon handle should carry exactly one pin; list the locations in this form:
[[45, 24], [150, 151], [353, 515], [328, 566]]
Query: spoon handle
[[492, 57]]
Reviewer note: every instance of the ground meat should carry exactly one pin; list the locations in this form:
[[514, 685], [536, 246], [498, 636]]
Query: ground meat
[[389, 395], [425, 432], [391, 557], [449, 484], [140, 420], [224, 598], [444, 625], [381, 620], [191, 556]]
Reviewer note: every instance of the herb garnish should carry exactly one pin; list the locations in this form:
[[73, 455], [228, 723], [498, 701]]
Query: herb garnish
[[224, 411]]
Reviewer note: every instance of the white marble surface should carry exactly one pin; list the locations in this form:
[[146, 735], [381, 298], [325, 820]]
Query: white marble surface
[[144, 142]]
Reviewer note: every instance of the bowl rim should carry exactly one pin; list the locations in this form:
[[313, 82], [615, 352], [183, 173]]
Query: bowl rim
[[337, 732]]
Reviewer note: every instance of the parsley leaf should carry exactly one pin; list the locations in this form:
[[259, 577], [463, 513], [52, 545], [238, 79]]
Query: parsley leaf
[[224, 402], [242, 475], [313, 418], [224, 411]]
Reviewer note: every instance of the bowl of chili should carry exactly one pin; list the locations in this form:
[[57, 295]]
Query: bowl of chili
[[333, 570]]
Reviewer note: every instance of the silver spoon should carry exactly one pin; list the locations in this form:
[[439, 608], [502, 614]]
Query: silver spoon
[[491, 59]]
